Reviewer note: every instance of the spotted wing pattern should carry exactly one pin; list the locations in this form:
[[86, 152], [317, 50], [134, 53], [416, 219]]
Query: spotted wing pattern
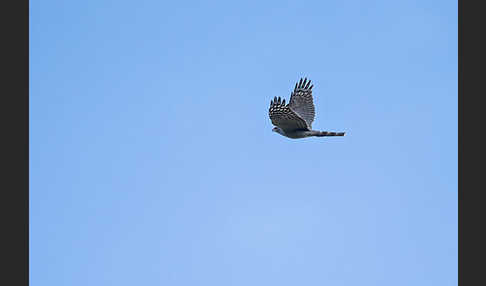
[[301, 101], [284, 117]]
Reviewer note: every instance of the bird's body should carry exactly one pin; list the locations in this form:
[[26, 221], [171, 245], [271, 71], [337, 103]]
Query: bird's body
[[297, 134], [294, 120]]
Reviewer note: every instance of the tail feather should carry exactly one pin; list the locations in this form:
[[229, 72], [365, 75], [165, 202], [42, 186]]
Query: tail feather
[[327, 133]]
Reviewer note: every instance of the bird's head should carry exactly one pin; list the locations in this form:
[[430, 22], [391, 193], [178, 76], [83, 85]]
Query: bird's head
[[278, 130]]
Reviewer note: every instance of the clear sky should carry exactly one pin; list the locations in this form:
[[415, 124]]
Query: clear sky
[[152, 160]]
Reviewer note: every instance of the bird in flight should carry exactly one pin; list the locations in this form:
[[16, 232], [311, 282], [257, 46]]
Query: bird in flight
[[294, 120]]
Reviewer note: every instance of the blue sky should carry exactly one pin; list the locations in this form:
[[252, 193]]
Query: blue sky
[[152, 160]]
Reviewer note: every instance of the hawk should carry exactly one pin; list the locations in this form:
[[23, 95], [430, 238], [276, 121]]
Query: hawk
[[294, 120]]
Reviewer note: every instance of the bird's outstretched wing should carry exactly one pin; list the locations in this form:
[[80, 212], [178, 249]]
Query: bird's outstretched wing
[[284, 117], [301, 101]]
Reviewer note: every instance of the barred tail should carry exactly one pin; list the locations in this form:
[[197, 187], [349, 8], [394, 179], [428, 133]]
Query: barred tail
[[327, 133]]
